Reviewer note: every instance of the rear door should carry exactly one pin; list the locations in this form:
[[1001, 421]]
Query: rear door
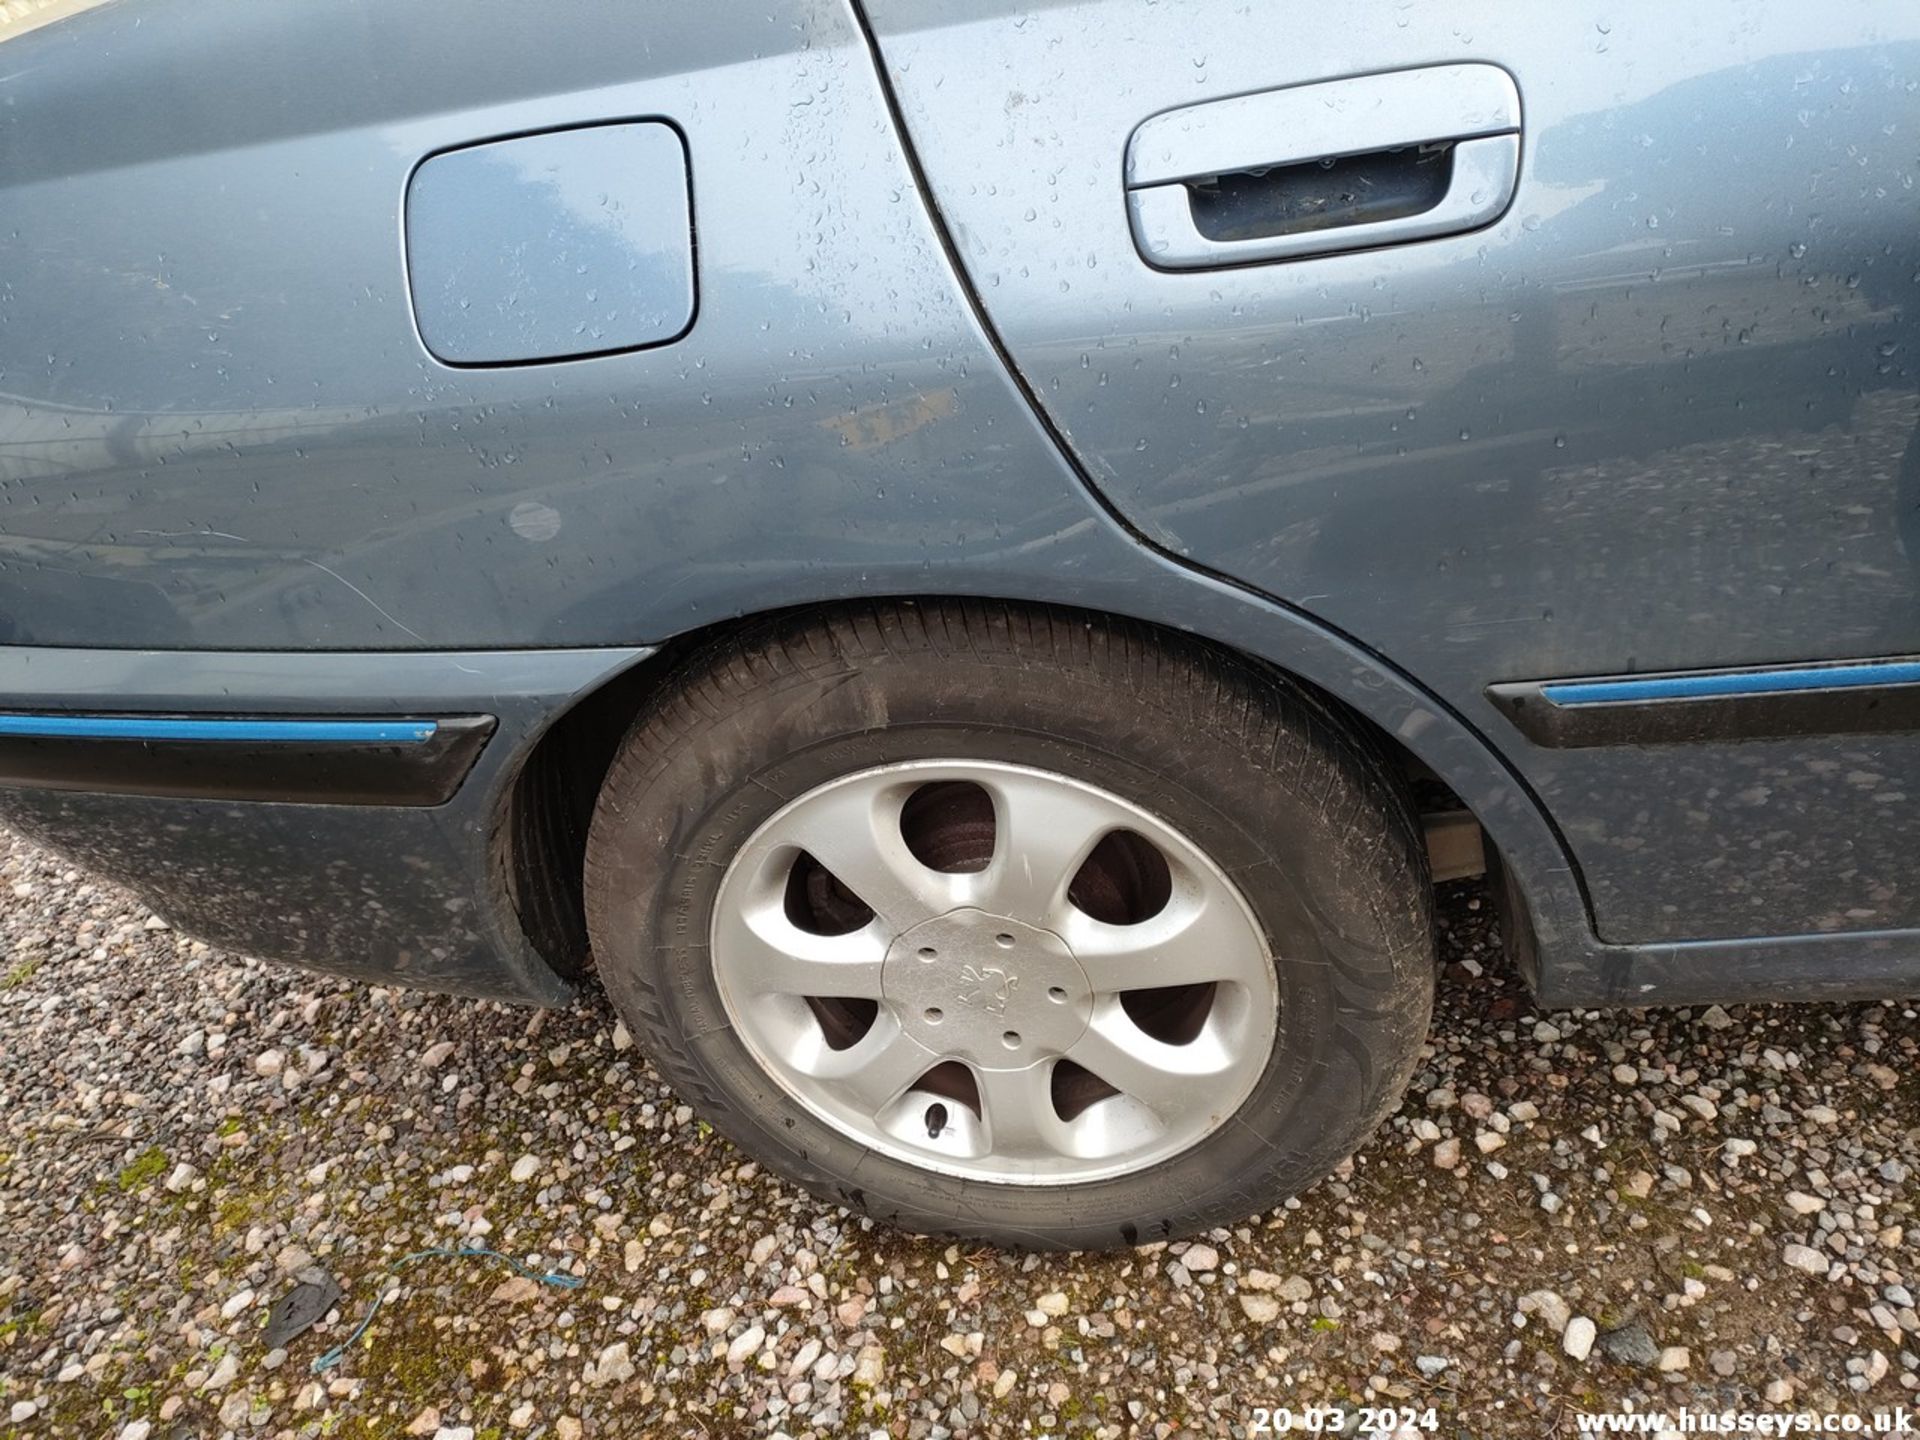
[[1611, 371]]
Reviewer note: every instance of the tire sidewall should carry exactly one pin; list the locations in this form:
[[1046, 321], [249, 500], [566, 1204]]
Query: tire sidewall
[[667, 835]]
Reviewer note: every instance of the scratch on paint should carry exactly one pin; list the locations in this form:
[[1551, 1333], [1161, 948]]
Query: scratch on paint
[[368, 598]]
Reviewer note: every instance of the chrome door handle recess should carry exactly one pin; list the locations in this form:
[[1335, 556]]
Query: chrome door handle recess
[[1316, 169], [1480, 186]]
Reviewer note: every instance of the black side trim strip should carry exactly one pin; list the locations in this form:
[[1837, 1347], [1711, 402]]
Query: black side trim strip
[[427, 772], [1777, 715]]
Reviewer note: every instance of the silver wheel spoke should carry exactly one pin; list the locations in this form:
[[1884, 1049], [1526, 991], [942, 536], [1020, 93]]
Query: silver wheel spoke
[[1167, 1079], [1202, 934], [1043, 833], [777, 957], [1020, 1119], [855, 832], [875, 1069]]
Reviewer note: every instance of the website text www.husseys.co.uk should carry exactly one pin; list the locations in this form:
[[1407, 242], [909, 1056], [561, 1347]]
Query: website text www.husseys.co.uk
[[1896, 1421]]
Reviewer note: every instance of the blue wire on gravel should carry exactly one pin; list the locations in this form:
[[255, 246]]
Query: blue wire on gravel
[[552, 1277]]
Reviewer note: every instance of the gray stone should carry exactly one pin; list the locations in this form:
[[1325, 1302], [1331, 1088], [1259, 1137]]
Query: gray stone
[[1630, 1345]]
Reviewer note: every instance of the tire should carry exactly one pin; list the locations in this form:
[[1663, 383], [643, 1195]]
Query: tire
[[1256, 774]]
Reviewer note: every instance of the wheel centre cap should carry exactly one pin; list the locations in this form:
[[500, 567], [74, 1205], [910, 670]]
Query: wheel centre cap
[[974, 986]]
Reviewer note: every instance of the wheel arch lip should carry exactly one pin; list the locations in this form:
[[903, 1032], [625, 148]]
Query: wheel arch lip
[[1338, 668]]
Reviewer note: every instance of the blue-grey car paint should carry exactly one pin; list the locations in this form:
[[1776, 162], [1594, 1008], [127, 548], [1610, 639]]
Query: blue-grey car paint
[[220, 432], [1659, 417]]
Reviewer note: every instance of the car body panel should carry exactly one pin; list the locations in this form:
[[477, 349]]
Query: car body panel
[[219, 429], [235, 483], [1659, 416]]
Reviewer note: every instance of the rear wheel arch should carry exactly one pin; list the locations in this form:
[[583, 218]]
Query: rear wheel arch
[[541, 843]]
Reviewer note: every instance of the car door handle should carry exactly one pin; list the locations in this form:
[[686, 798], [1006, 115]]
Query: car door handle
[[1317, 169]]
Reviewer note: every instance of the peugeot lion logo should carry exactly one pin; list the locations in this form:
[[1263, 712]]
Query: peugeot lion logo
[[989, 989]]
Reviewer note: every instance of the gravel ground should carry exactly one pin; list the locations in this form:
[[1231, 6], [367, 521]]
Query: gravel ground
[[1570, 1212]]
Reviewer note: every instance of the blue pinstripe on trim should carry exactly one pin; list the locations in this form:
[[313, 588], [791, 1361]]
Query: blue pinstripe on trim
[[1733, 682], [163, 727]]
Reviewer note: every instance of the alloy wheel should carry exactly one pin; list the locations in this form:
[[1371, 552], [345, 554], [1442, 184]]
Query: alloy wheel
[[994, 971]]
